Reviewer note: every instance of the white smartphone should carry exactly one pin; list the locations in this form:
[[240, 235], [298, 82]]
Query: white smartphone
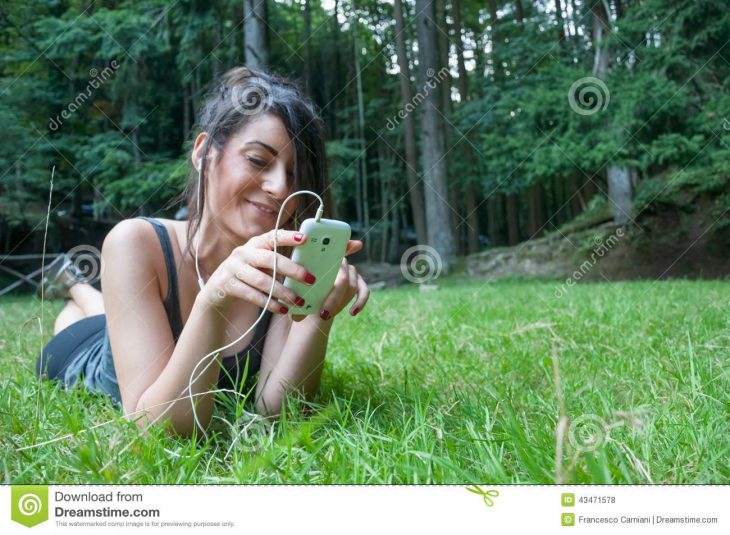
[[322, 256]]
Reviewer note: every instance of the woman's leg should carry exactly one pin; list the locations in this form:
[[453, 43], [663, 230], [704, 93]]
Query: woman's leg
[[69, 315], [87, 298], [85, 301]]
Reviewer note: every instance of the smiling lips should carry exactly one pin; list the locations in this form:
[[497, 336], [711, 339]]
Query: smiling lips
[[262, 209]]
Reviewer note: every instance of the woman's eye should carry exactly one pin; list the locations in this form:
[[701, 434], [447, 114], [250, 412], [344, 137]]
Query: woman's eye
[[256, 162]]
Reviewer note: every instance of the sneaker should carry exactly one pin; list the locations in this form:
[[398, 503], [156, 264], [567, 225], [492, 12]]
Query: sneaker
[[61, 274]]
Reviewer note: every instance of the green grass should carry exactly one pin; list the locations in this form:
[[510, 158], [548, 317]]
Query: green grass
[[452, 386]]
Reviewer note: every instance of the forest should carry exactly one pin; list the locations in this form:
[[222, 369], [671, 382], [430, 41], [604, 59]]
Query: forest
[[495, 122]]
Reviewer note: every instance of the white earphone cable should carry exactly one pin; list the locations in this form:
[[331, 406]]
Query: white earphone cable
[[197, 245], [215, 352]]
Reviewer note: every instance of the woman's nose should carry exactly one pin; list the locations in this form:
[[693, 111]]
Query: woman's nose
[[275, 184]]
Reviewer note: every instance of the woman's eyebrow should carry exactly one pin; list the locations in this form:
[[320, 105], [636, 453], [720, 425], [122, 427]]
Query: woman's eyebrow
[[264, 145]]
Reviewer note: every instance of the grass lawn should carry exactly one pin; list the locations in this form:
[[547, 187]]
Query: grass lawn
[[466, 384]]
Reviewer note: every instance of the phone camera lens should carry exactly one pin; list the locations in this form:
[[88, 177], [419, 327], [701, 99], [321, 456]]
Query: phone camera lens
[[325, 241]]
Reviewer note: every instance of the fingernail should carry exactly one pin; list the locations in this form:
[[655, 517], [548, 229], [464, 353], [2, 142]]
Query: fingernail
[[324, 314], [283, 310], [298, 236], [299, 301], [355, 311], [309, 278]]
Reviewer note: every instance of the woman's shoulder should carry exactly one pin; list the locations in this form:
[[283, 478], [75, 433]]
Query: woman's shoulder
[[128, 231], [133, 244], [137, 229], [175, 228], [129, 248]]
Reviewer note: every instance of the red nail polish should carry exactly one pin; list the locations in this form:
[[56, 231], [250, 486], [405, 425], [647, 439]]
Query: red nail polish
[[299, 301], [298, 236], [324, 314], [283, 310], [309, 278]]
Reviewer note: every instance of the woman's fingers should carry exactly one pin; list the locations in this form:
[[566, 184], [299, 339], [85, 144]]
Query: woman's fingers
[[331, 304], [352, 276], [238, 288], [347, 285], [284, 238], [262, 282], [353, 246], [264, 259], [258, 259], [363, 294]]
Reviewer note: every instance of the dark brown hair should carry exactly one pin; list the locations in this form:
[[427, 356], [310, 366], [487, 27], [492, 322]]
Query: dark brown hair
[[241, 95]]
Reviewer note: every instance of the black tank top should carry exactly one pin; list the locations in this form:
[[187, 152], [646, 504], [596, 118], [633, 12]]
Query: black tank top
[[232, 365]]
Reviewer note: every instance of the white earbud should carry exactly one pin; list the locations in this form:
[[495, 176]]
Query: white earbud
[[199, 164]]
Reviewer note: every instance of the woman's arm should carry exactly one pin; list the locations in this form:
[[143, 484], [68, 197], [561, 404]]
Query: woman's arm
[[151, 369], [298, 364], [292, 359], [203, 332]]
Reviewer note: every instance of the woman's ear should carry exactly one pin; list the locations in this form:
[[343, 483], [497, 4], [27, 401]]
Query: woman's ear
[[196, 155]]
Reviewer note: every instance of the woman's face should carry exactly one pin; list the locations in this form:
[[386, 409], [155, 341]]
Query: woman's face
[[256, 167]]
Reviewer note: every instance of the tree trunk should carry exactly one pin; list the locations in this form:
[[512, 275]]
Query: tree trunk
[[363, 195], [619, 193], [256, 52], [589, 190], [559, 18], [494, 217], [415, 188], [307, 47], [440, 235], [384, 203], [333, 106], [463, 79], [136, 151], [618, 176], [519, 12], [496, 59], [472, 217], [444, 89], [513, 229], [536, 211], [186, 111], [394, 250], [576, 195]]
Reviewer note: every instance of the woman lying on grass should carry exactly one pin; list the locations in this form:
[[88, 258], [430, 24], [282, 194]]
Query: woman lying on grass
[[260, 140]]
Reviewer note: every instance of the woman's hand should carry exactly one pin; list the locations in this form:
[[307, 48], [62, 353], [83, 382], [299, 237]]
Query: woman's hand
[[348, 284], [247, 274]]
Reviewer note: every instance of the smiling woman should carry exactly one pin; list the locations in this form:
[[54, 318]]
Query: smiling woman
[[259, 140]]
